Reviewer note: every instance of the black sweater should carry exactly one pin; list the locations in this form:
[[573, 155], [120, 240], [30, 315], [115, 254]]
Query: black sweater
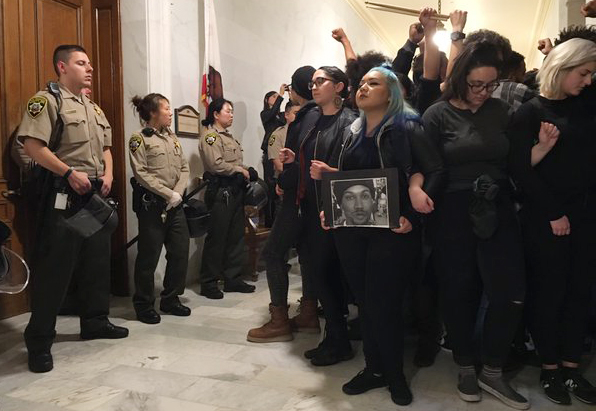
[[568, 172], [471, 144]]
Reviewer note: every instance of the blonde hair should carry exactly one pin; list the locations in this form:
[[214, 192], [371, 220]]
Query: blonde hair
[[560, 61]]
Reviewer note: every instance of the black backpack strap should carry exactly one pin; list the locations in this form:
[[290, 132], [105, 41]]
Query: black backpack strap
[[56, 137]]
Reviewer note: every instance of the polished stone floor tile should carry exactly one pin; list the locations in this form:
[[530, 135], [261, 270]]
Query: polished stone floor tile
[[204, 363]]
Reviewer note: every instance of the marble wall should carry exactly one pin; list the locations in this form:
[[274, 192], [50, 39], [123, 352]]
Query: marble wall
[[261, 41]]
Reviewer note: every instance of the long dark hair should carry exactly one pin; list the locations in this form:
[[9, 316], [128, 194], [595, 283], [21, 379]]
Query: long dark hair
[[473, 55], [147, 105], [266, 99], [215, 107], [337, 76]]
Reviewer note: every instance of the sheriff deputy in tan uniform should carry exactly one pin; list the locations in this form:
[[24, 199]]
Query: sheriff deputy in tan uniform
[[223, 252], [161, 174], [81, 164]]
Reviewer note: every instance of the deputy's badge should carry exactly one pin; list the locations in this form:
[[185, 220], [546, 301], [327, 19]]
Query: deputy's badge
[[134, 143], [36, 105], [211, 138], [271, 140], [97, 110]]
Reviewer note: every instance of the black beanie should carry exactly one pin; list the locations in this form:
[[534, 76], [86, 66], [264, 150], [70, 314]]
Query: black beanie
[[300, 80]]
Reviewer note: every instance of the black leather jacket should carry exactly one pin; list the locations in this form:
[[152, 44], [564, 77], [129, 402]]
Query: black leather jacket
[[327, 146], [404, 146]]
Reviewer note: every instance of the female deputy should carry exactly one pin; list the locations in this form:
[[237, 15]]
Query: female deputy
[[377, 261], [320, 149], [223, 252], [558, 179], [161, 174]]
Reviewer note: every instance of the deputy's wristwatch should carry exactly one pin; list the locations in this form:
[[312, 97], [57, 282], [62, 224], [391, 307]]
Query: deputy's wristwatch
[[457, 35]]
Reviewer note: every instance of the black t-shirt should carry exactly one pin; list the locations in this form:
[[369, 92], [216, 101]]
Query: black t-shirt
[[568, 172], [309, 150], [472, 144], [362, 155]]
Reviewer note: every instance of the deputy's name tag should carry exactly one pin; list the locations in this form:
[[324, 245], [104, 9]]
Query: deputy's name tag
[[61, 201]]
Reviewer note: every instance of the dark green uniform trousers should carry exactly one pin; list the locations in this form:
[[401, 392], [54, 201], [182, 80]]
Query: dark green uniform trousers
[[60, 255], [154, 233], [223, 252]]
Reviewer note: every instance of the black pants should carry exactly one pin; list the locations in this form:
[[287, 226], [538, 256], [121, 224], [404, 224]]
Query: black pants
[[322, 261], [154, 233], [223, 252], [467, 266], [560, 282], [286, 231], [424, 298], [378, 264], [62, 255]]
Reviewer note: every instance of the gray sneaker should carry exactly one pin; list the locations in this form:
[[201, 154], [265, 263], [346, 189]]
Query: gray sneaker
[[468, 388], [503, 391]]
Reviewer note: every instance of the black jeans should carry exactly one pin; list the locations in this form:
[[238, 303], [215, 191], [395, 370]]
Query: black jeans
[[223, 252], [322, 261], [61, 255], [286, 230], [154, 233], [379, 264], [560, 282], [467, 266]]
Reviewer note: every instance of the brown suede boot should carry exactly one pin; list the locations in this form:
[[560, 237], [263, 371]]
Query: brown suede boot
[[307, 320], [276, 330]]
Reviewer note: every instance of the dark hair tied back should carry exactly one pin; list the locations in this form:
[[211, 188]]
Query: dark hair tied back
[[147, 105], [337, 76], [214, 107]]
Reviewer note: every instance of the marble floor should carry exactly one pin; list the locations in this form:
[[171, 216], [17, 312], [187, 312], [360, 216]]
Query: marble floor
[[204, 363]]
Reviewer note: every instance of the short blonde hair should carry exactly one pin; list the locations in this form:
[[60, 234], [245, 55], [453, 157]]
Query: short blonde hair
[[560, 61]]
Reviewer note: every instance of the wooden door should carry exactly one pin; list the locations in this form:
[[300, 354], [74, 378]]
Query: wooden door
[[30, 31], [107, 92]]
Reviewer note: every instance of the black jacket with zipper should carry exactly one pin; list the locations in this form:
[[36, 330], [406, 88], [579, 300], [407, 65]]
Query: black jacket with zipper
[[327, 146], [404, 145]]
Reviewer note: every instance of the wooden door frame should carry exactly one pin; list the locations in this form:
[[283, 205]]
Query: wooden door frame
[[119, 273]]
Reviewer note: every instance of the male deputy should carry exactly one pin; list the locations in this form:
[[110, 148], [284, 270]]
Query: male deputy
[[81, 163]]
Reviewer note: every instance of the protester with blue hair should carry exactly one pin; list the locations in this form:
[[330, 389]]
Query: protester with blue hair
[[378, 262]]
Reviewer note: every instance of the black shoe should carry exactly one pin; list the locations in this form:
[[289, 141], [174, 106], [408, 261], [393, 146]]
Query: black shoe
[[239, 287], [554, 387], [400, 392], [425, 354], [175, 308], [41, 362], [107, 331], [212, 293], [148, 316], [331, 354], [577, 385], [310, 354], [364, 381]]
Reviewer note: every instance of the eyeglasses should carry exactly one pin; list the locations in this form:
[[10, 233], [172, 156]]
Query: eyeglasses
[[319, 81], [490, 87]]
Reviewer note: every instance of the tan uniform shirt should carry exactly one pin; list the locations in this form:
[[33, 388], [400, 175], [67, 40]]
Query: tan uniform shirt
[[158, 162], [220, 152], [277, 141], [86, 129]]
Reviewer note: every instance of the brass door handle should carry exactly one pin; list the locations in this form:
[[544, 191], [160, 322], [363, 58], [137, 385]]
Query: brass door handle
[[9, 193]]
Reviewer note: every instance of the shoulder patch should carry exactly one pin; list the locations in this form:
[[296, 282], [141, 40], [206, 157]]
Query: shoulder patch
[[36, 105], [272, 139], [211, 138], [135, 142]]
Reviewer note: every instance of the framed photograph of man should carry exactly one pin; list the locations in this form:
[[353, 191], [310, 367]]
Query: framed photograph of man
[[361, 198]]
